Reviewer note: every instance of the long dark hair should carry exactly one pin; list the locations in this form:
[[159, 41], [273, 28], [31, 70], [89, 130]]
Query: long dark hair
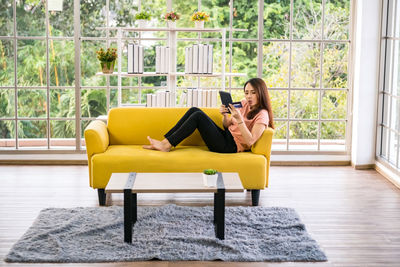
[[264, 102]]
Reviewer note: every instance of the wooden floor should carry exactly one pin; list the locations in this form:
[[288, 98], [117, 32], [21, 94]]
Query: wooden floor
[[353, 215]]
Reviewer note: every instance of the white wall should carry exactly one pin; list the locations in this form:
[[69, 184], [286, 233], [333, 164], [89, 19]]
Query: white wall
[[366, 73]]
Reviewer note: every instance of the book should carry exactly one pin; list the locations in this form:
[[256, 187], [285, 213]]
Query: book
[[189, 101], [195, 59], [204, 98], [214, 98], [195, 97], [199, 98], [210, 60], [205, 59], [158, 59], [153, 100], [190, 61], [182, 99], [141, 58], [162, 61], [135, 58], [167, 61], [148, 100], [130, 58], [201, 58]]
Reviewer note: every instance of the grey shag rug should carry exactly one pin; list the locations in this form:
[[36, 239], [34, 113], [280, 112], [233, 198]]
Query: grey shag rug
[[166, 233]]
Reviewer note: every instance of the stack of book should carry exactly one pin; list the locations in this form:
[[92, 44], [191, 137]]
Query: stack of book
[[199, 59], [199, 98], [162, 59], [161, 99], [135, 58]]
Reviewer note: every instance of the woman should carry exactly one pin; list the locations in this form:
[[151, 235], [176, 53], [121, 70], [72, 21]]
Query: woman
[[241, 130]]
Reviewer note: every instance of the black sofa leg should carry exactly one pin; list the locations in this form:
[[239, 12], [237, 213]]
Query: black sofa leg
[[255, 197], [102, 196]]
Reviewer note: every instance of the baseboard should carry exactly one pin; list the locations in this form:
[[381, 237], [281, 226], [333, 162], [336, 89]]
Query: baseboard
[[310, 163], [393, 177], [43, 162], [363, 166]]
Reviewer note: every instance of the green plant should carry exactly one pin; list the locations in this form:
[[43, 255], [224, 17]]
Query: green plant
[[210, 171], [200, 16], [107, 56], [143, 15]]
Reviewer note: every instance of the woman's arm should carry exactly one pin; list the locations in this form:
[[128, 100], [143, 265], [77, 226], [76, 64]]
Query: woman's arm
[[249, 137]]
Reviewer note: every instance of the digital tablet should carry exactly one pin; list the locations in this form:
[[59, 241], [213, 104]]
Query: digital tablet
[[226, 99]]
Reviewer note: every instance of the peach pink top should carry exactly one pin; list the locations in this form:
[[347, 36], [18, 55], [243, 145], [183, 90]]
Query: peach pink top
[[261, 117]]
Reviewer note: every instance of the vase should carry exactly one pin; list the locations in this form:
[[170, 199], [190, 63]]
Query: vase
[[142, 23], [171, 24], [199, 24], [107, 67], [210, 180]]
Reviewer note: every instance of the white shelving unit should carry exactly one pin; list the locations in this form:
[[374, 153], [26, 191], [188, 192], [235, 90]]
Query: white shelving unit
[[172, 43]]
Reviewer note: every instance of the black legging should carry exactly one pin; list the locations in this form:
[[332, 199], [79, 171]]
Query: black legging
[[216, 139]]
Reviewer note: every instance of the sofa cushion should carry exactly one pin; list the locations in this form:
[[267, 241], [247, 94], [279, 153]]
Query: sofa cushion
[[131, 126], [126, 158]]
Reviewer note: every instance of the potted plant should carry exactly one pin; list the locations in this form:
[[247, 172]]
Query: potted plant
[[199, 18], [210, 177], [142, 18], [171, 18], [107, 59]]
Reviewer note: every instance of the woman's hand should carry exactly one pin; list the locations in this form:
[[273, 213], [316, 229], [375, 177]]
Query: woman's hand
[[223, 110], [235, 113]]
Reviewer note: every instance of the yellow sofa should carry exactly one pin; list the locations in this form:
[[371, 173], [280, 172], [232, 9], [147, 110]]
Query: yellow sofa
[[117, 147]]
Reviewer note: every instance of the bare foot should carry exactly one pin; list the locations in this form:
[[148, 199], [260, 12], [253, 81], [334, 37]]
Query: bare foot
[[163, 145]]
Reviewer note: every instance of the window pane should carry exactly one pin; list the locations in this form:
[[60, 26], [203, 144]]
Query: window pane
[[385, 143], [218, 10], [7, 134], [244, 60], [84, 124], [385, 112], [62, 22], [31, 63], [245, 16], [396, 70], [337, 19], [395, 110], [186, 9], [62, 103], [90, 64], [279, 103], [7, 103], [130, 96], [307, 19], [334, 104], [276, 64], [62, 63], [32, 133], [334, 67], [333, 135], [62, 134], [305, 65], [93, 14], [113, 98], [6, 63], [121, 12], [93, 103], [32, 103], [303, 135], [6, 18], [280, 136], [276, 19], [304, 104], [393, 145], [31, 18]]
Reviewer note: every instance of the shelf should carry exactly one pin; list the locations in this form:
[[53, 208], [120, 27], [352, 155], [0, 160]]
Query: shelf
[[124, 74], [133, 29]]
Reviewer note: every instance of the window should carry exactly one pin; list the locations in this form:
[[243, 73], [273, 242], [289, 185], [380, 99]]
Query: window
[[388, 136], [302, 54]]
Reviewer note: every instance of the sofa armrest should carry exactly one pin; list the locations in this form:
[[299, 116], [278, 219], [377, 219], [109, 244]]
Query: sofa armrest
[[264, 143], [96, 138]]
